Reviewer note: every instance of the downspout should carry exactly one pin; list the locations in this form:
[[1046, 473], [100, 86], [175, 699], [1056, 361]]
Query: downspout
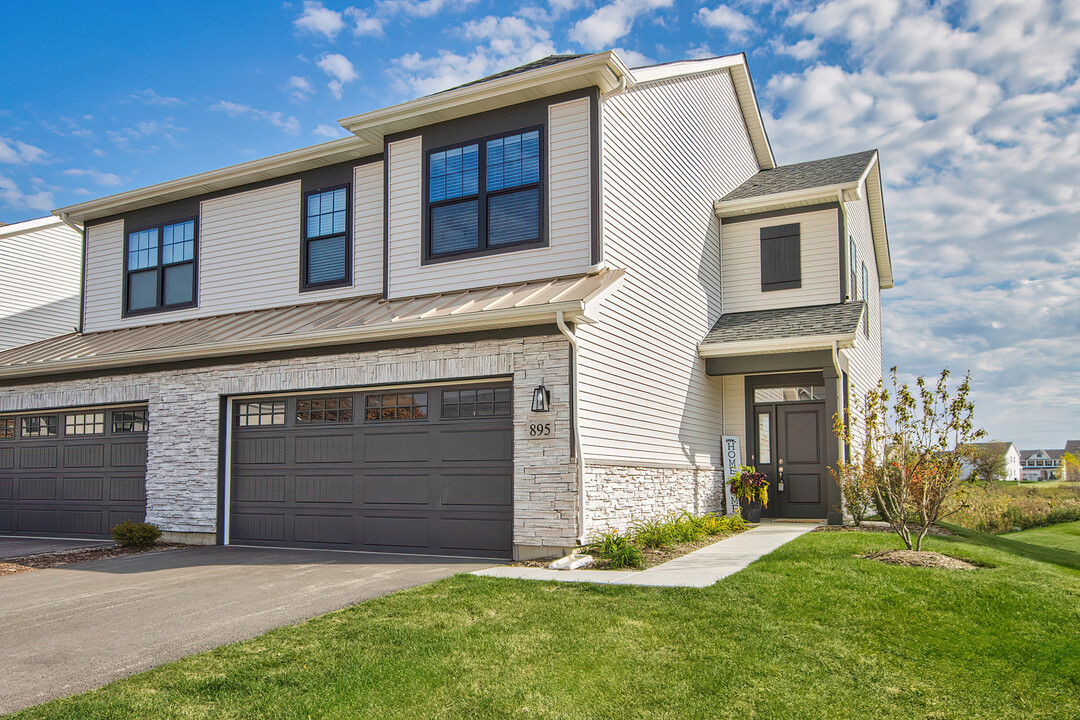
[[575, 424]]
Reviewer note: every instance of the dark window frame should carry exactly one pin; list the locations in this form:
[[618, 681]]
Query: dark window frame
[[481, 198], [777, 234], [853, 269], [476, 403], [338, 411], [427, 405], [866, 302], [117, 420], [55, 425], [160, 267], [240, 413], [75, 421], [305, 286], [9, 428]]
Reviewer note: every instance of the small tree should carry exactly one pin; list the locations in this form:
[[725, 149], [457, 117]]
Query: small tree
[[1070, 467], [855, 478], [910, 453], [987, 460]]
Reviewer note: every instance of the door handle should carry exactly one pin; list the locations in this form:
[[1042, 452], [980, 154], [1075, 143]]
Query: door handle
[[780, 476]]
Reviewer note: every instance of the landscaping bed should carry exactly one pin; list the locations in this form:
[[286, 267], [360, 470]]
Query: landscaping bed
[[651, 557], [40, 561]]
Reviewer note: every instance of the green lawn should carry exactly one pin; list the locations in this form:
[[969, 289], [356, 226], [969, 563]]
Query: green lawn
[[1065, 536], [808, 632]]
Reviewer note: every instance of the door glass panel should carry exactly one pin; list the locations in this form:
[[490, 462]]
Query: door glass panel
[[802, 393], [764, 439]]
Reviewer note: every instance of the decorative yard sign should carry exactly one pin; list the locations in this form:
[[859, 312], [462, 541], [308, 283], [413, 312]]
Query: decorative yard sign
[[732, 461]]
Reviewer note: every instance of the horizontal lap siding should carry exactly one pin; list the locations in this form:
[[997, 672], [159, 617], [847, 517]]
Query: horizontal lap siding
[[820, 265], [670, 149], [569, 216], [39, 284], [864, 361], [248, 255]]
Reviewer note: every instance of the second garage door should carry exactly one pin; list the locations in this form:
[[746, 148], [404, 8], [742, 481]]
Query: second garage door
[[422, 470]]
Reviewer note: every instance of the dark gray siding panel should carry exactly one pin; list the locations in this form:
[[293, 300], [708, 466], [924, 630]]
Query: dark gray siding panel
[[431, 485], [79, 486]]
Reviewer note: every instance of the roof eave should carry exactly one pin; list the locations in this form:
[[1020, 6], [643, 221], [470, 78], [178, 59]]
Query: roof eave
[[763, 347], [875, 202], [29, 226], [763, 203]]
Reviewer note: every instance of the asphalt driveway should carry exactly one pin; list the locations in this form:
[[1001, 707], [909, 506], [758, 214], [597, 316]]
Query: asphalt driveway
[[18, 546], [69, 629]]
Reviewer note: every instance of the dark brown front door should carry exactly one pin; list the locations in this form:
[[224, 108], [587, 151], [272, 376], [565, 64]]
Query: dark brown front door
[[800, 460]]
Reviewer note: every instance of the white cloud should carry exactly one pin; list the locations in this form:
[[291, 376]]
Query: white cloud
[[804, 49], [319, 20], [288, 123], [421, 8], [16, 152], [611, 22], [150, 97], [338, 67], [299, 88], [100, 153], [501, 43], [331, 132], [633, 58], [722, 17], [17, 199], [363, 23], [976, 110], [101, 178]]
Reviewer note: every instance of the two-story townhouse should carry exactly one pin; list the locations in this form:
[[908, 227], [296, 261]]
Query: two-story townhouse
[[1046, 464], [490, 322], [40, 263]]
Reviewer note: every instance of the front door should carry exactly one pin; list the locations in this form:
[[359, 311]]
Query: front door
[[800, 460]]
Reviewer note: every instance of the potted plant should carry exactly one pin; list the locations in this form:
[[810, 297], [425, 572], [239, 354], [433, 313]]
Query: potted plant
[[752, 489]]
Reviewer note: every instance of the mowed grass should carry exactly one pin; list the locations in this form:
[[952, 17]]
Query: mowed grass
[[810, 631], [1065, 536]]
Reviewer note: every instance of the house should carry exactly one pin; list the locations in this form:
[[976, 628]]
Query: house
[[40, 267], [490, 321], [1046, 464], [1007, 450]]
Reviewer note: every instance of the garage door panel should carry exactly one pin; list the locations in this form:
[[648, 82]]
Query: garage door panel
[[476, 489], [260, 489], [388, 446], [127, 454], [127, 489], [37, 488], [31, 458], [7, 485], [119, 516], [475, 534], [410, 532], [385, 489], [84, 456], [337, 529], [7, 458], [82, 522], [258, 527], [464, 445], [324, 449], [30, 520], [324, 488], [7, 520], [83, 488], [260, 450]]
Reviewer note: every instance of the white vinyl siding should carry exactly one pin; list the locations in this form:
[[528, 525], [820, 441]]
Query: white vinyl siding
[[670, 149], [39, 284], [569, 216], [248, 256], [820, 263], [864, 361]]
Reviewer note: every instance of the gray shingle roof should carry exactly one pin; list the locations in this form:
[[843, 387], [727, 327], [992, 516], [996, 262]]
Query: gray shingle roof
[[534, 65], [803, 176], [838, 319], [1054, 454], [1072, 446]]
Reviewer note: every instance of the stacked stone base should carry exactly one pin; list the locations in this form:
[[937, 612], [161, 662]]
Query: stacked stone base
[[618, 495]]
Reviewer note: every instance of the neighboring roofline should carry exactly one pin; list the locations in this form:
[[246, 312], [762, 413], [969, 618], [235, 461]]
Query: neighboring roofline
[[29, 226], [844, 341], [326, 153]]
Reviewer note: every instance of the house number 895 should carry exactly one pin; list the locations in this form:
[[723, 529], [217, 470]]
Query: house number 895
[[539, 429]]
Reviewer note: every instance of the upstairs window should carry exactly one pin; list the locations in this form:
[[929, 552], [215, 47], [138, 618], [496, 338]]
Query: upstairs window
[[864, 296], [485, 196], [159, 268], [853, 271], [327, 248], [781, 260]]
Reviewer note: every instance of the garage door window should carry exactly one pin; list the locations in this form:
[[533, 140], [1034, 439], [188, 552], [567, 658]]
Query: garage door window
[[397, 406], [129, 421], [85, 424], [332, 409], [260, 413], [7, 427], [39, 426], [481, 402]]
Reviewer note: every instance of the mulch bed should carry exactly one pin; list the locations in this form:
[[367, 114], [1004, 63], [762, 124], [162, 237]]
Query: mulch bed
[[882, 528], [11, 566], [919, 558], [652, 556]]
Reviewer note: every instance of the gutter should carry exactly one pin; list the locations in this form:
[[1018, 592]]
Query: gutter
[[575, 425], [812, 342]]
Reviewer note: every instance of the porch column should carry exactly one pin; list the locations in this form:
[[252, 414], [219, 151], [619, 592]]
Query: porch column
[[832, 446]]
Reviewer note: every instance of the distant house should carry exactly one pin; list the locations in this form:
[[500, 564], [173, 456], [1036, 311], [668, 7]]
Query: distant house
[[1046, 464], [1012, 459], [40, 267]]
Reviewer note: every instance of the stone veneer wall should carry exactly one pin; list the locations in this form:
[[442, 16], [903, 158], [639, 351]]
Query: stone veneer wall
[[617, 495], [184, 404]]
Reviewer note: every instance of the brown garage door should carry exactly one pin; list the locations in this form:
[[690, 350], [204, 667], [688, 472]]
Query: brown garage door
[[425, 470], [72, 473]]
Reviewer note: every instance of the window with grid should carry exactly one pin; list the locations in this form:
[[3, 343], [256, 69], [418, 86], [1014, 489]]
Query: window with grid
[[326, 238], [329, 409], [853, 274], [397, 406], [130, 421], [160, 267], [485, 195], [865, 295], [91, 423], [478, 402], [7, 428], [40, 426], [260, 413]]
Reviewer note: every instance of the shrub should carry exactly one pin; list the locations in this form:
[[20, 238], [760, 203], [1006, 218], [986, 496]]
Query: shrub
[[655, 533], [734, 523], [133, 534], [686, 528], [712, 524], [616, 549]]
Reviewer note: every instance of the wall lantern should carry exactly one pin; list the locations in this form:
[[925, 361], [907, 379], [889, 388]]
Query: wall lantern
[[541, 399]]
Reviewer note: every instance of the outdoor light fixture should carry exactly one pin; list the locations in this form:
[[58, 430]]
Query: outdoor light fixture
[[541, 399]]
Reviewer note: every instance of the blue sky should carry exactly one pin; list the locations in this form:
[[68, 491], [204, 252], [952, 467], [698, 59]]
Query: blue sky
[[974, 106]]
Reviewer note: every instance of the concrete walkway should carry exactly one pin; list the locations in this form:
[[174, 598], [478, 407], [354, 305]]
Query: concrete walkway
[[700, 568]]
